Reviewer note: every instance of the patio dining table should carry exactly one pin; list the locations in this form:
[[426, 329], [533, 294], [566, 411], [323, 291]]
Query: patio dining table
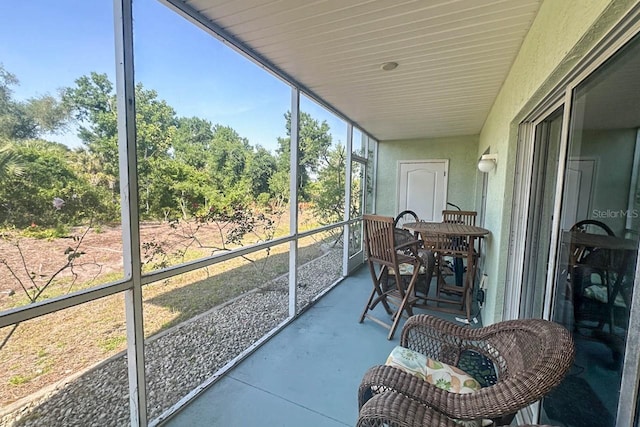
[[442, 237]]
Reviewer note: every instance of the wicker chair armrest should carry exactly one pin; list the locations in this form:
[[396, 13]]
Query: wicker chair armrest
[[495, 401], [396, 410], [437, 326]]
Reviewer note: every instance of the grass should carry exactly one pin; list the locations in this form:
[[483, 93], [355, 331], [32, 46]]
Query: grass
[[19, 379], [45, 349], [113, 343], [60, 287]]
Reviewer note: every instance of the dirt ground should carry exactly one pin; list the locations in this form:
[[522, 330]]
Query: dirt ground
[[33, 262], [46, 349], [41, 258]]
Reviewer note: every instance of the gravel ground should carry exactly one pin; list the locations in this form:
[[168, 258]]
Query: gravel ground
[[177, 360]]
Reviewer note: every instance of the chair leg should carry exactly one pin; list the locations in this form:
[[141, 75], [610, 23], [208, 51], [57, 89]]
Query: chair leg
[[404, 305], [377, 290], [367, 307]]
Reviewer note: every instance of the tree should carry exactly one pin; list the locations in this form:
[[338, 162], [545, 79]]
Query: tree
[[262, 166], [29, 119], [229, 159], [28, 198], [10, 161], [192, 141], [179, 190], [92, 103], [328, 193], [313, 142]]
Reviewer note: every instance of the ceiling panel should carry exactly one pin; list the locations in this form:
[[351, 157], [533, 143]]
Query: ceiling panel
[[453, 55]]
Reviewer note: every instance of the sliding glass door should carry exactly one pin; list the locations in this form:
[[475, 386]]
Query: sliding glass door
[[541, 204], [598, 240], [576, 226]]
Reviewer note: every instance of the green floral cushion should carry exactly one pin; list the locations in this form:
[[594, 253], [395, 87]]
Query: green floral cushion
[[440, 374], [599, 293]]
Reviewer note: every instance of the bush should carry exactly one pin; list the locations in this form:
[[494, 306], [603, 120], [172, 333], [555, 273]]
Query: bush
[[28, 198]]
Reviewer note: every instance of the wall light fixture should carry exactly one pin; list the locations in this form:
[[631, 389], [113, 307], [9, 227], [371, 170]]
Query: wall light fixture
[[487, 162]]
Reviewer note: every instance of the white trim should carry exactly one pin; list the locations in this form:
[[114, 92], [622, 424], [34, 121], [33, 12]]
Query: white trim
[[31, 311], [634, 181], [628, 397], [347, 200], [519, 218], [520, 207], [125, 94], [293, 199], [549, 302], [357, 258], [374, 174]]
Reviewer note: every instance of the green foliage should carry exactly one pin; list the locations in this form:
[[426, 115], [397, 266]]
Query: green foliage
[[27, 199], [229, 155], [175, 189], [28, 119], [10, 161], [19, 379], [58, 232], [263, 199], [92, 102], [183, 163], [313, 142], [187, 166], [260, 169], [328, 193], [113, 343], [192, 141]]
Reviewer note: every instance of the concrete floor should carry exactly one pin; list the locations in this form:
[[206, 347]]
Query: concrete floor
[[305, 376]]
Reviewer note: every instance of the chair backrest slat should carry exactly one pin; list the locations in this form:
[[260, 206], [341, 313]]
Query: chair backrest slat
[[459, 217], [379, 239]]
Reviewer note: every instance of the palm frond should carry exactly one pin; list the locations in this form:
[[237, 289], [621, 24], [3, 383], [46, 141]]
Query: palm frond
[[10, 161]]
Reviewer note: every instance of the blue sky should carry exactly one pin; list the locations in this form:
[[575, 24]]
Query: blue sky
[[48, 44]]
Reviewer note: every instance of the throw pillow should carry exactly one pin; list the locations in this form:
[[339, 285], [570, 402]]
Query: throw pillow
[[440, 374]]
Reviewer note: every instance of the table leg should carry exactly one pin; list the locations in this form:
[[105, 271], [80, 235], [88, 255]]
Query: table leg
[[469, 280]]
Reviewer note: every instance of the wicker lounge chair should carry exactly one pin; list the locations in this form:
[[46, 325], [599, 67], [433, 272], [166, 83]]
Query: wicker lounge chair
[[391, 409], [530, 358]]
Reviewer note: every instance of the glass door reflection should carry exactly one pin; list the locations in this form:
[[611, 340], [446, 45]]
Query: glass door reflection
[[598, 240]]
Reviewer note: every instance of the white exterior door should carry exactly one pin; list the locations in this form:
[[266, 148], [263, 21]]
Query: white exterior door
[[579, 174], [422, 188]]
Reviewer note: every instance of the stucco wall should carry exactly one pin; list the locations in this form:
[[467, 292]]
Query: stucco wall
[[562, 33], [462, 153]]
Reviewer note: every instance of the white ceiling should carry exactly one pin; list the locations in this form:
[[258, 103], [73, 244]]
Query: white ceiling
[[453, 55]]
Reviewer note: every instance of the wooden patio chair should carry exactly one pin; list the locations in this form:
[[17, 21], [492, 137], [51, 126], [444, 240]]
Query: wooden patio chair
[[455, 248], [459, 217], [530, 357], [385, 258], [607, 299], [425, 252]]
